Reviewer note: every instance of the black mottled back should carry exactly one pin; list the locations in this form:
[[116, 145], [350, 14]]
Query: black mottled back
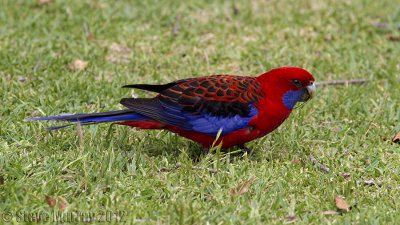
[[218, 95]]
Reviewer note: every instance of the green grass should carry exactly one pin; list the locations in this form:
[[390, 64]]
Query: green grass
[[107, 169]]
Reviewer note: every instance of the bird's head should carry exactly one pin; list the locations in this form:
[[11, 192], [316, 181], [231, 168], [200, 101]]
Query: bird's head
[[288, 85]]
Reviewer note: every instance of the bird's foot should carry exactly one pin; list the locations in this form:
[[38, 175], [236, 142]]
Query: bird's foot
[[206, 151], [247, 150]]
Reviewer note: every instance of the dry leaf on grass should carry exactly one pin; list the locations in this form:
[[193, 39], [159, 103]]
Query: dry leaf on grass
[[62, 203], [1, 179], [119, 48], [119, 53], [78, 64], [394, 38], [235, 10], [396, 138], [243, 187], [51, 201], [341, 204], [90, 37], [48, 2], [356, 169]]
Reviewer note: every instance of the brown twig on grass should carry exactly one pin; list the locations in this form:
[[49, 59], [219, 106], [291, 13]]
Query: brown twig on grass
[[150, 160], [377, 113], [369, 183], [342, 82], [36, 66], [330, 122], [86, 29], [176, 27], [163, 168], [89, 36], [178, 165], [380, 25], [315, 162], [209, 170], [384, 25], [345, 175], [80, 134]]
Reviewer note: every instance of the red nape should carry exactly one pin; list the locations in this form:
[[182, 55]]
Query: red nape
[[146, 124]]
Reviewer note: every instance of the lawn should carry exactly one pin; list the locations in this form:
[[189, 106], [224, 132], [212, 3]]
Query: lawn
[[109, 173]]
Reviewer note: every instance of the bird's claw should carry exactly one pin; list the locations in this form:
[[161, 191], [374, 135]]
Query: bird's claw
[[247, 150]]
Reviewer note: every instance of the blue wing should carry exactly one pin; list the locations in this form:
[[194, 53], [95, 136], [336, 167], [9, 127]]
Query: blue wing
[[211, 124], [204, 105]]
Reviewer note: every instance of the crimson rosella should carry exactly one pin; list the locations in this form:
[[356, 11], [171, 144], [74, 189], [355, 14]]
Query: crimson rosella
[[238, 108]]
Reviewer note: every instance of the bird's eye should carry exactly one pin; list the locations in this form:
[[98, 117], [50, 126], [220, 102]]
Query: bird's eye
[[296, 83]]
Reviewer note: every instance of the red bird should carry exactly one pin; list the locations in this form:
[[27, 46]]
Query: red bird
[[240, 108]]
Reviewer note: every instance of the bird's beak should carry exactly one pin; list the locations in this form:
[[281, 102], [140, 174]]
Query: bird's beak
[[309, 93]]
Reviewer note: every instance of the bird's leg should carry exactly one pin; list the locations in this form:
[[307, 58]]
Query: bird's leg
[[206, 151], [247, 150]]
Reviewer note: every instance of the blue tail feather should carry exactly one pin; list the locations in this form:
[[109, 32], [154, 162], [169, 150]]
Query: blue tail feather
[[92, 118], [60, 117]]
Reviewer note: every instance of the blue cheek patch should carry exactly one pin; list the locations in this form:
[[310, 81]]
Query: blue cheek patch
[[290, 98]]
